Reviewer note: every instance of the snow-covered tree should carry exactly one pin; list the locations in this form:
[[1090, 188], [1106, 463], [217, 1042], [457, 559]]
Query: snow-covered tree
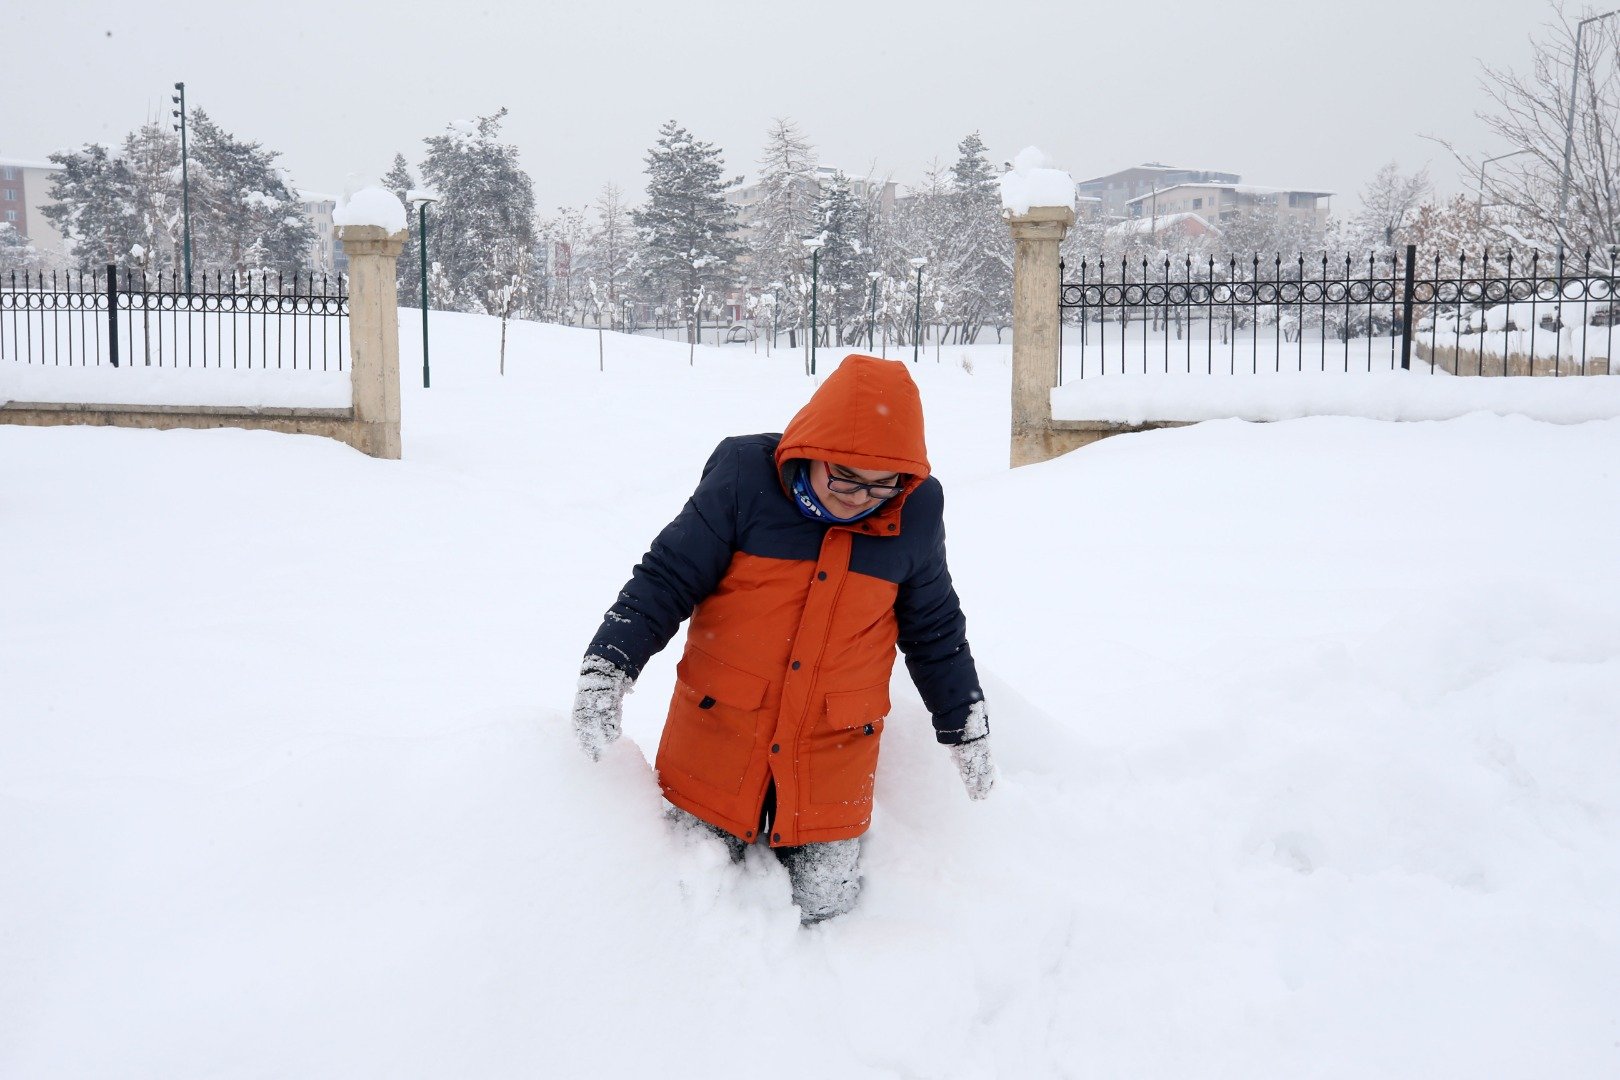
[[608, 252], [843, 261], [564, 237], [245, 215], [687, 229], [1531, 113], [93, 205], [979, 267], [785, 214], [152, 155], [399, 180], [17, 254], [1389, 204], [486, 205]]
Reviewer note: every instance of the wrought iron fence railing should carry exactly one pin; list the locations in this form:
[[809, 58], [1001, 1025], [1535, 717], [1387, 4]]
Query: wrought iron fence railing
[[1480, 315], [113, 317]]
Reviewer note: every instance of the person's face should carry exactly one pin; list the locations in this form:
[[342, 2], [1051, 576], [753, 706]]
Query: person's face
[[827, 477]]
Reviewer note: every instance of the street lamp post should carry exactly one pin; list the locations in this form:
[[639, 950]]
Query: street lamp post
[[179, 98], [871, 318], [814, 245], [917, 264], [776, 287], [420, 200], [1569, 123]]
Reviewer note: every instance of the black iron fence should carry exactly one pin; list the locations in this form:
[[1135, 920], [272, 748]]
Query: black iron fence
[[257, 321], [1469, 315]]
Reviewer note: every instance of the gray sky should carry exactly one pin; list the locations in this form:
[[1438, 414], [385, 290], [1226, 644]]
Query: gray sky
[[1295, 94]]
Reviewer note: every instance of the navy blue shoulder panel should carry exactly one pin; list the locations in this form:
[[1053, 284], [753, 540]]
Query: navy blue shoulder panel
[[739, 505]]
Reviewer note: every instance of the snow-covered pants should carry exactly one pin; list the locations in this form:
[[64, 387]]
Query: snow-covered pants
[[825, 877]]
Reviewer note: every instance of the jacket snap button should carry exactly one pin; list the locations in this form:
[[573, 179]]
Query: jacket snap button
[[776, 748], [795, 665], [822, 576], [776, 838], [706, 703], [891, 528], [749, 835], [869, 729]]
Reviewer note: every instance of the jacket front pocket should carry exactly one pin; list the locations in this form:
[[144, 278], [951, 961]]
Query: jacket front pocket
[[713, 723], [843, 748]]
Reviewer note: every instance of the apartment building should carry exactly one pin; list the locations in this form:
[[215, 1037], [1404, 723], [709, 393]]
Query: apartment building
[[1113, 193], [326, 254], [24, 193], [1216, 202]]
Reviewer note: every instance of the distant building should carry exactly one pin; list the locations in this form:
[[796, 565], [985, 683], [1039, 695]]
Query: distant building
[[1188, 226], [1217, 202], [24, 193], [1114, 192], [325, 254]]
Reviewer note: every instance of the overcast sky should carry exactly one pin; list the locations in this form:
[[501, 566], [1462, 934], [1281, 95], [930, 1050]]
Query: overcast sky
[[1291, 94]]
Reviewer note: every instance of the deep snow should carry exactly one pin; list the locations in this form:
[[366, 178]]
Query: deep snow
[[1309, 761]]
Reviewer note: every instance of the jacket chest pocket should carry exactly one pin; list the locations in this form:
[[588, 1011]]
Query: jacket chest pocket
[[713, 723], [843, 748]]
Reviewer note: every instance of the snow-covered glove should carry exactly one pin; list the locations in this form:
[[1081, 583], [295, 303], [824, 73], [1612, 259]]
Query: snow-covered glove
[[972, 754], [599, 704]]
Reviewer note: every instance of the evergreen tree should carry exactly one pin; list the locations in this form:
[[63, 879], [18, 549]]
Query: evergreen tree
[[687, 229], [980, 281], [398, 179], [17, 254], [93, 205], [245, 216], [152, 155], [842, 280], [485, 215], [785, 215]]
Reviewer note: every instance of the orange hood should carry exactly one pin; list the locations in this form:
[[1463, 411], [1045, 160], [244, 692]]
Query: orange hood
[[867, 415]]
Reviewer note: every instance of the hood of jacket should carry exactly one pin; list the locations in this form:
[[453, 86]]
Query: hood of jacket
[[867, 415]]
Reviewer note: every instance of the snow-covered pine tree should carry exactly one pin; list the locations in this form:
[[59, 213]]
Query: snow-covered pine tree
[[245, 216], [924, 227], [981, 286], [486, 202], [784, 215], [843, 263], [94, 205], [608, 251], [17, 254], [152, 154], [399, 180], [687, 229]]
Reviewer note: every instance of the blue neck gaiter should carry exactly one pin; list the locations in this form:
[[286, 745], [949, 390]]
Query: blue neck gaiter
[[810, 506]]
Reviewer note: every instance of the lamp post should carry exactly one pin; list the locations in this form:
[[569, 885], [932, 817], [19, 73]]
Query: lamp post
[[871, 318], [776, 287], [179, 98], [814, 246], [1480, 202], [916, 332], [1569, 123], [419, 200]]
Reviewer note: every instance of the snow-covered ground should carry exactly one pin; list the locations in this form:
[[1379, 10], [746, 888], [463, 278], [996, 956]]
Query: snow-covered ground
[[1307, 734]]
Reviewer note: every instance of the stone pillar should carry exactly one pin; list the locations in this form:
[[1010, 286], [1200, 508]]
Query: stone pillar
[[1037, 337], [374, 338]]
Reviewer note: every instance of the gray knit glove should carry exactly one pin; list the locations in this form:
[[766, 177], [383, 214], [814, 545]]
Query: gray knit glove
[[599, 705], [972, 754]]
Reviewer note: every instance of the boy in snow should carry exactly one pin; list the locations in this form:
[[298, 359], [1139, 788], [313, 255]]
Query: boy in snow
[[802, 559]]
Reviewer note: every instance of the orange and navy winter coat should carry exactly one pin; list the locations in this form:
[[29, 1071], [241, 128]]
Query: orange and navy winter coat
[[785, 676]]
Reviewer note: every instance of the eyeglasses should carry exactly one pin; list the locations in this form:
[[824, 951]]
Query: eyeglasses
[[874, 491]]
